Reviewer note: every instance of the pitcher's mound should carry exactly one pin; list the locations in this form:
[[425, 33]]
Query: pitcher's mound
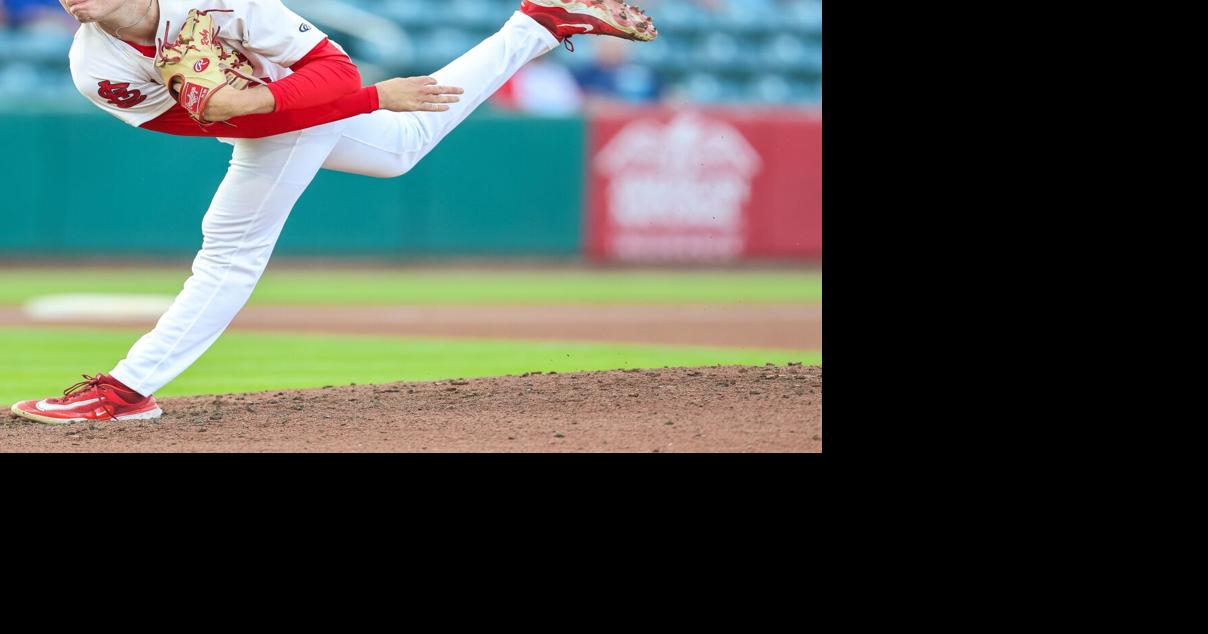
[[710, 409]]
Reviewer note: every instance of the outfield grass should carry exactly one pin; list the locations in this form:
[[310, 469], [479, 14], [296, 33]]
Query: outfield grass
[[403, 286], [36, 363]]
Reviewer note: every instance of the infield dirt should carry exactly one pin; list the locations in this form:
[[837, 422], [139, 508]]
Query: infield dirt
[[711, 409], [796, 326]]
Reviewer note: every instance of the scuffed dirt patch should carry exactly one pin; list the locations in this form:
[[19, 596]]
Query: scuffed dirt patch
[[712, 409]]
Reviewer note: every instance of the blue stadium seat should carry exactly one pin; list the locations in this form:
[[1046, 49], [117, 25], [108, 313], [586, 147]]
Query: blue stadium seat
[[772, 88]]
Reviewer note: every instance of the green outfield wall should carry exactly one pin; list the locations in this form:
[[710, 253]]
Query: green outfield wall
[[86, 184]]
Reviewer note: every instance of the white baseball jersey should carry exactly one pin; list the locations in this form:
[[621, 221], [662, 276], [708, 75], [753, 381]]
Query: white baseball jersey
[[123, 82]]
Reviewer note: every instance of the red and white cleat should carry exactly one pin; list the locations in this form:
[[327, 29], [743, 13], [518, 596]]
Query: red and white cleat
[[96, 398], [565, 18]]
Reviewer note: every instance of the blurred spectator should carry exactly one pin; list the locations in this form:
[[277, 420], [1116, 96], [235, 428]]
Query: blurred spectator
[[37, 15], [542, 88], [611, 78]]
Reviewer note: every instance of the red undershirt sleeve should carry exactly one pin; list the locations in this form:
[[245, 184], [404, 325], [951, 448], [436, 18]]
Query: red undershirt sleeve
[[178, 122], [323, 75]]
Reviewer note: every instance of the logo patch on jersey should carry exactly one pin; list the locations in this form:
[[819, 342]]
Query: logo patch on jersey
[[201, 65], [304, 28], [119, 95]]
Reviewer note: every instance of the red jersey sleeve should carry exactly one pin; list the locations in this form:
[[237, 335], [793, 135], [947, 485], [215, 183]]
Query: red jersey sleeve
[[178, 122]]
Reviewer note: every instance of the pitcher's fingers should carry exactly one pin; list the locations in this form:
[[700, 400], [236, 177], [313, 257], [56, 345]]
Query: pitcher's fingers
[[439, 99], [432, 107], [443, 90]]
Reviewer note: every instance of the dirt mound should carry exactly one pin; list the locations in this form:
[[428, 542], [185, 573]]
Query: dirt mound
[[712, 409]]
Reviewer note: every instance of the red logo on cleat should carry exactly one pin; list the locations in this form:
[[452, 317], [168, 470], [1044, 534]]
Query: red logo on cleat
[[201, 65], [118, 95]]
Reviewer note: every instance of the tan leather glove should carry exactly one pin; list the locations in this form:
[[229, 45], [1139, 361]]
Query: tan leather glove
[[196, 66]]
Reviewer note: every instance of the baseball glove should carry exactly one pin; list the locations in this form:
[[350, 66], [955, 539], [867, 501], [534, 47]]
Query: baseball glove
[[238, 69], [196, 66]]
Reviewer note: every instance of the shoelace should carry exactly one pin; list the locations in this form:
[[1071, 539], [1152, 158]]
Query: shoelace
[[91, 382]]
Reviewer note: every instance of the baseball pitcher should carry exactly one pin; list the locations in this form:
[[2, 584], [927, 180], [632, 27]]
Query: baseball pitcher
[[259, 77]]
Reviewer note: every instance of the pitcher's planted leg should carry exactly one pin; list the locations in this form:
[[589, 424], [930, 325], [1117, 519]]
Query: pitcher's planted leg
[[265, 179]]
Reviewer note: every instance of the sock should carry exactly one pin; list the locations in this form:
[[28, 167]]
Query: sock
[[121, 386]]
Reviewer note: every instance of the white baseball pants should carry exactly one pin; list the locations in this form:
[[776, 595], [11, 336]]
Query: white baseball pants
[[267, 176]]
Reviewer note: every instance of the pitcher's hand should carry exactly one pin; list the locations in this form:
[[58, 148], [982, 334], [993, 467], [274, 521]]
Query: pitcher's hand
[[415, 94]]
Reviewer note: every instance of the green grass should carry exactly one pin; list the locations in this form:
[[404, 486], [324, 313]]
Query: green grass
[[41, 362], [403, 286]]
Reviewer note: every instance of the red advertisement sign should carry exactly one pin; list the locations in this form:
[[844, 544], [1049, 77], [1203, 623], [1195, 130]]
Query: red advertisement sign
[[705, 185]]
